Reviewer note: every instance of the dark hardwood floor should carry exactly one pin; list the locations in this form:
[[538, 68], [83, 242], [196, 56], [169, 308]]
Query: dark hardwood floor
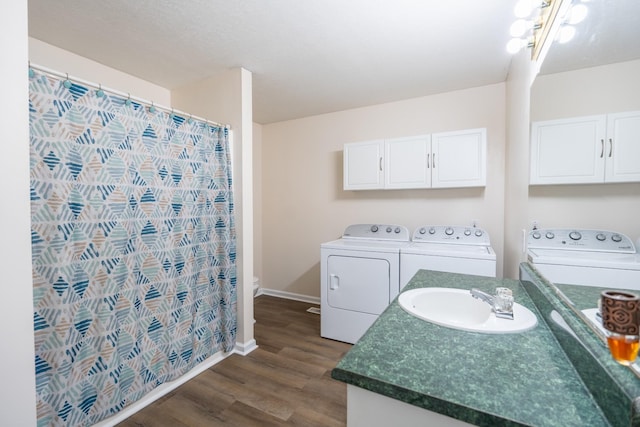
[[286, 381]]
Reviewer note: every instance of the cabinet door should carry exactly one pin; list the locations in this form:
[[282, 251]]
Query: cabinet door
[[568, 151], [363, 169], [458, 159], [622, 147], [407, 162]]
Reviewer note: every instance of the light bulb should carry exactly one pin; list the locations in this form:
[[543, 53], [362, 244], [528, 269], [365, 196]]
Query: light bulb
[[514, 45], [524, 8], [565, 33], [576, 14], [519, 27]]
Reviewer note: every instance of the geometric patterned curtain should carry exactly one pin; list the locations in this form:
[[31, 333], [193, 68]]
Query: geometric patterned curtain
[[134, 248]]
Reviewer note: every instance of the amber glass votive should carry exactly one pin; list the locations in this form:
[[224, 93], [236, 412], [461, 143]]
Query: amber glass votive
[[620, 312]]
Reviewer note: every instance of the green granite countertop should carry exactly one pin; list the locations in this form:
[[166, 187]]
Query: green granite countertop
[[522, 379]]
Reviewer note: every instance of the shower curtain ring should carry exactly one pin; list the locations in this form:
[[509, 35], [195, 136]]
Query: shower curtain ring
[[190, 119], [128, 101], [152, 109], [99, 92], [67, 83]]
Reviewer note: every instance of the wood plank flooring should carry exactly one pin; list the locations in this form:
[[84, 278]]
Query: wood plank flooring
[[286, 381]]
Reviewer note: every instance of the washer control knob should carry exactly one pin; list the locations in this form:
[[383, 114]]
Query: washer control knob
[[478, 233], [467, 232], [616, 238], [432, 230], [575, 235], [448, 231], [549, 235], [397, 230], [601, 237], [536, 235], [374, 228], [422, 230], [389, 229]]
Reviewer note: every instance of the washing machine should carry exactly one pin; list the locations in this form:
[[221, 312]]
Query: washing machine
[[448, 248], [360, 276], [585, 257]]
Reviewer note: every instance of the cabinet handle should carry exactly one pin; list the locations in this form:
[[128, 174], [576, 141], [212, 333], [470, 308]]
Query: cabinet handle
[[433, 163], [428, 161], [380, 162], [610, 147], [601, 148]]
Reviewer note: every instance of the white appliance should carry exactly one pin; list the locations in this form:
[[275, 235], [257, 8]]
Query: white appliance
[[360, 276], [585, 257], [452, 249]]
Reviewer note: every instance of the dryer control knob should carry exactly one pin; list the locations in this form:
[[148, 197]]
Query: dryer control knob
[[467, 232], [448, 231], [389, 229], [397, 230], [374, 228], [478, 233], [536, 235], [575, 235], [422, 230], [549, 235], [432, 230], [616, 238], [601, 237]]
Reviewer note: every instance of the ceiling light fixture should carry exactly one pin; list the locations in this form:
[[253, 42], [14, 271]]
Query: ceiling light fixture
[[538, 19]]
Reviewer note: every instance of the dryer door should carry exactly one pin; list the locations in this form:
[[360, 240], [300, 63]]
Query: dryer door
[[358, 284]]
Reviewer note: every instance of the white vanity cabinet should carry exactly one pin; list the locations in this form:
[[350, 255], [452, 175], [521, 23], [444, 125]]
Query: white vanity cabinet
[[448, 159], [586, 150]]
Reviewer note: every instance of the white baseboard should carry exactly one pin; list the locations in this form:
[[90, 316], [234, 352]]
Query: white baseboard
[[161, 390], [289, 295], [245, 348]]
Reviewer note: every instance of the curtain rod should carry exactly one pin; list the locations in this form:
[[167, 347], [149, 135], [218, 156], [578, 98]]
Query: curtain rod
[[124, 95]]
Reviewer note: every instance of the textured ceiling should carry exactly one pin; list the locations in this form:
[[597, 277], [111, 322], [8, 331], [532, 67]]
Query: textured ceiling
[[307, 57]]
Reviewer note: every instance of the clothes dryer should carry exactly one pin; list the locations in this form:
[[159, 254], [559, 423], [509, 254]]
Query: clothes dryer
[[448, 248], [585, 257], [360, 276]]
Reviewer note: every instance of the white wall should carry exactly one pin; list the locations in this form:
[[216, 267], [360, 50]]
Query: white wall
[[257, 200], [63, 61], [17, 371], [598, 90], [303, 203], [521, 74]]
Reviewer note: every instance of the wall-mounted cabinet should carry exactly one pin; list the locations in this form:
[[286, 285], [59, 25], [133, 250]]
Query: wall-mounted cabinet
[[440, 160], [586, 150]]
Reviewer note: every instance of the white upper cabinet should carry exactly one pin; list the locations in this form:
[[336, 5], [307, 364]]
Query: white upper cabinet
[[586, 150], [459, 158], [406, 162], [363, 168], [623, 147], [449, 159]]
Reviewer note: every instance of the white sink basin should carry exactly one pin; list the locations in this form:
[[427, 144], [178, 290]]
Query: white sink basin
[[457, 309]]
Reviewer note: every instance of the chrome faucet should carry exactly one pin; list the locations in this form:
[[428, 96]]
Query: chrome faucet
[[501, 303]]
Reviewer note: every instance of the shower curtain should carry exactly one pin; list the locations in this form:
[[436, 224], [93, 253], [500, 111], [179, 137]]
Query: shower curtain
[[134, 246]]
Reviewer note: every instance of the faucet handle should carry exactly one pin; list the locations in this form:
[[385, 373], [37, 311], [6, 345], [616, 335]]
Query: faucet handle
[[503, 301]]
